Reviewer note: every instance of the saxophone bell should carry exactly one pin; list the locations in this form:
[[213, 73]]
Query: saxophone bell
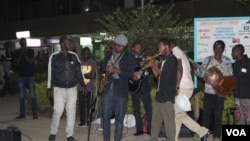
[[102, 83]]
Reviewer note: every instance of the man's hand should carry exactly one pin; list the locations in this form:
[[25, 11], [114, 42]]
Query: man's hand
[[49, 93], [195, 65], [177, 91], [112, 69], [137, 76], [87, 75], [84, 91], [207, 79], [150, 63], [50, 96]]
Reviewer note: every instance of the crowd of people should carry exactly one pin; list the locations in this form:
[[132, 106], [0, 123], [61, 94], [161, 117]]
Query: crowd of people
[[71, 79]]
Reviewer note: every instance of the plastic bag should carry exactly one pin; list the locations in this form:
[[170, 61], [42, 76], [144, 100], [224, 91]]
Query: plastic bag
[[129, 120], [183, 102]]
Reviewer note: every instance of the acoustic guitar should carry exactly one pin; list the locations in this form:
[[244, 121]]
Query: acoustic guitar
[[222, 85], [135, 85]]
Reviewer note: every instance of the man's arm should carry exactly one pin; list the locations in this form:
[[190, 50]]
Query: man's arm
[[179, 72], [155, 69], [27, 54]]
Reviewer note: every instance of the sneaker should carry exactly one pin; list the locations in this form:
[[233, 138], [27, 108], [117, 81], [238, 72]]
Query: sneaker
[[100, 128], [21, 116], [81, 125], [52, 137], [35, 116], [71, 138]]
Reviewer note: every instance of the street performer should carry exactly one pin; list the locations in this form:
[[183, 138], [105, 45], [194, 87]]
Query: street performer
[[213, 101], [119, 66]]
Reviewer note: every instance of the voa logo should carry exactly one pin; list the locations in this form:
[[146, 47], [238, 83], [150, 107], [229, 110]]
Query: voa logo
[[236, 132]]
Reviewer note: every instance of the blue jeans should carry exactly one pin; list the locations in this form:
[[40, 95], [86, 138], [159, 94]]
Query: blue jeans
[[110, 103], [23, 83]]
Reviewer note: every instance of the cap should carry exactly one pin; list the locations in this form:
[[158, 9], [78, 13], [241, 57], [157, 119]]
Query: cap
[[121, 40], [63, 38]]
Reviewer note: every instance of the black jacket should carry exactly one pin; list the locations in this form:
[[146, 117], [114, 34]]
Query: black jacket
[[241, 70], [127, 67], [64, 71], [168, 78]]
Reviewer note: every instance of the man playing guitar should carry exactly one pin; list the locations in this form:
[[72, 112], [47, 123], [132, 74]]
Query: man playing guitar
[[142, 93], [212, 101]]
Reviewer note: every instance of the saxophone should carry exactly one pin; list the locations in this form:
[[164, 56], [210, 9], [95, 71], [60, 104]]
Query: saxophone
[[104, 79]]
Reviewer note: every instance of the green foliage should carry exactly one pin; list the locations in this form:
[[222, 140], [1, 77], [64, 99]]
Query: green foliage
[[148, 25], [42, 100]]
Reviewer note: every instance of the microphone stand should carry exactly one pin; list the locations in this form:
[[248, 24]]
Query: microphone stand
[[90, 112]]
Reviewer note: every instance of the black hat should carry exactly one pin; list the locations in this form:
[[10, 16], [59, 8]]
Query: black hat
[[64, 38]]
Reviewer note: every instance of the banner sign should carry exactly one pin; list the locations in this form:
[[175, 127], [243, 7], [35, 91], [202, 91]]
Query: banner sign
[[232, 30]]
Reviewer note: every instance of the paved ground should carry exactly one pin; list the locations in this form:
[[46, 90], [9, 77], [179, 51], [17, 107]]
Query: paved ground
[[38, 130]]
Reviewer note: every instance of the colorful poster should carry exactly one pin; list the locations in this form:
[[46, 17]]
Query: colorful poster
[[232, 30]]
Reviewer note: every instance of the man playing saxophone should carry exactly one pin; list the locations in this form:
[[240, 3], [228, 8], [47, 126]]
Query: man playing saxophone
[[120, 68]]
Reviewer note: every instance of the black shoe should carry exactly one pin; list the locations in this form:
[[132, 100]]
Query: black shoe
[[21, 116], [35, 116], [148, 133], [138, 133], [81, 125], [52, 137], [88, 123], [71, 138]]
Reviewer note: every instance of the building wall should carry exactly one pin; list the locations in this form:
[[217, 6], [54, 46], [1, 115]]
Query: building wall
[[85, 23]]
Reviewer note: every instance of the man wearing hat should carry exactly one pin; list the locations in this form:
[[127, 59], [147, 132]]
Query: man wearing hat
[[119, 65], [64, 71]]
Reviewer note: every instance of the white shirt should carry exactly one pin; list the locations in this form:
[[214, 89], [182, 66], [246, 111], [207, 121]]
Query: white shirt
[[186, 80]]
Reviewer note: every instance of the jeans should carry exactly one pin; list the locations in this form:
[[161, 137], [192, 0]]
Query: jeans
[[23, 83], [213, 103], [110, 103], [64, 98]]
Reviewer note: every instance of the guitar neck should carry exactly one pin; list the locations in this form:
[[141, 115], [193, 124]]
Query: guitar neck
[[200, 67]]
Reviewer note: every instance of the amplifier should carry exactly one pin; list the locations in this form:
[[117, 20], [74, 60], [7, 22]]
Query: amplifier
[[12, 133]]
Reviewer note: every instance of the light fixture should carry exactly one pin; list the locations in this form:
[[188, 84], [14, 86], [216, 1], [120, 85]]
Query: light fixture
[[86, 7], [33, 42], [22, 34]]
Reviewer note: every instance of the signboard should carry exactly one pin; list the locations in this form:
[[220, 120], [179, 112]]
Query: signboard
[[232, 30]]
